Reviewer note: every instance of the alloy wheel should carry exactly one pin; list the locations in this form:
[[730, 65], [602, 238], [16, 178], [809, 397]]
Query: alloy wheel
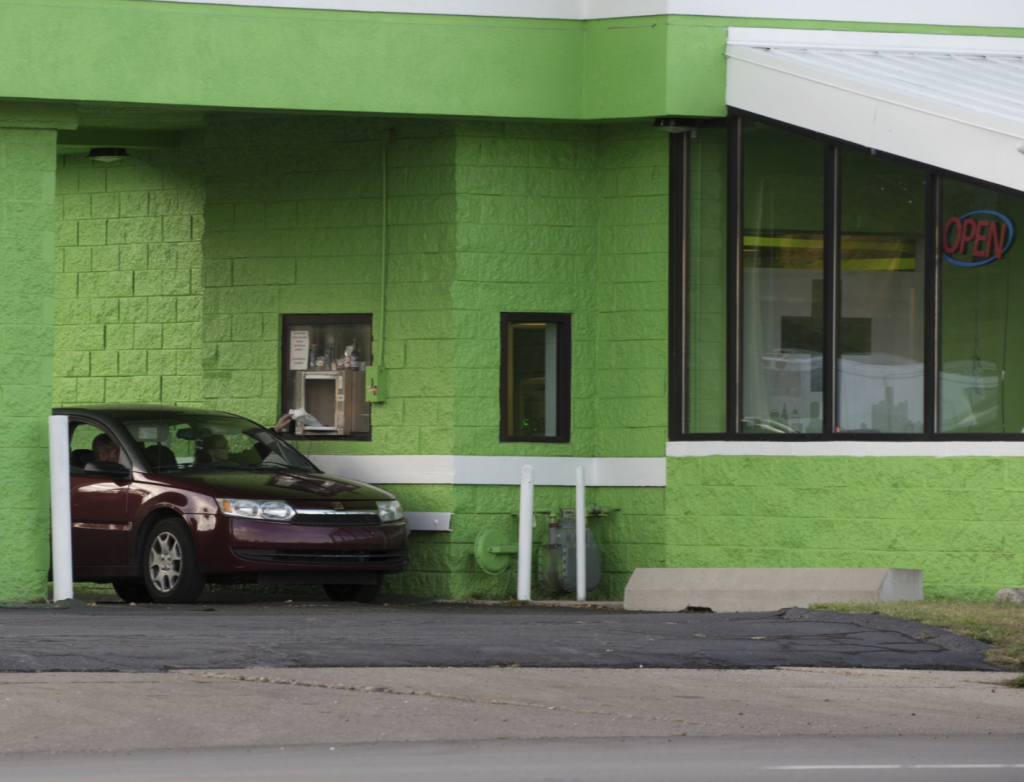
[[165, 562]]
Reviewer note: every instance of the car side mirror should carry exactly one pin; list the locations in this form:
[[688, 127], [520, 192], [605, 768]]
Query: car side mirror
[[114, 470]]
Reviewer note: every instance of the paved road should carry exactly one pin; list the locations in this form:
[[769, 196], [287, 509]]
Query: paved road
[[119, 637], [949, 759]]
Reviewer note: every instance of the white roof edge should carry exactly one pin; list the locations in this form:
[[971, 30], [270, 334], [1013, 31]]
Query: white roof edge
[[856, 87], [776, 38], [980, 13]]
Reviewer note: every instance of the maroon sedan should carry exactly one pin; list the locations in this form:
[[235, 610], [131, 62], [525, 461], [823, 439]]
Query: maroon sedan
[[165, 500]]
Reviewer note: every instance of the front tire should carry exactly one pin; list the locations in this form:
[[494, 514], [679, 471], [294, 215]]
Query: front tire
[[170, 568]]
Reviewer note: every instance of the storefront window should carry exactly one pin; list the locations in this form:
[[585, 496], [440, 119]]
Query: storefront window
[[535, 350], [880, 342], [866, 295], [324, 358], [783, 263], [982, 328]]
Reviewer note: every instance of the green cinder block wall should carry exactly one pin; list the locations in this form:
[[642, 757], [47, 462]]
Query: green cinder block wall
[[27, 161], [129, 287], [959, 519]]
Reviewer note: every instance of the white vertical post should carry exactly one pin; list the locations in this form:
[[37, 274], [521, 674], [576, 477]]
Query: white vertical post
[[525, 533], [581, 536], [60, 508]]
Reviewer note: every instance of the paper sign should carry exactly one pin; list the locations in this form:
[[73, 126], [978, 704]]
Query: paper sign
[[299, 355]]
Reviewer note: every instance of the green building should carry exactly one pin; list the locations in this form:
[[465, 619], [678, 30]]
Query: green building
[[784, 333]]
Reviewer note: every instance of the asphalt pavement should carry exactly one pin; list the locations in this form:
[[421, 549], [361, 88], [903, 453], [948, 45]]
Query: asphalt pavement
[[114, 636]]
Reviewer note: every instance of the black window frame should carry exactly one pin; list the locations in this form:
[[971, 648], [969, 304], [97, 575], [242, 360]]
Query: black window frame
[[320, 319], [679, 290], [563, 401]]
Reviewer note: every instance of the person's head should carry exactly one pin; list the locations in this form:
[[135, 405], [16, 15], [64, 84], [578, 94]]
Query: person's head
[[217, 446], [105, 449]]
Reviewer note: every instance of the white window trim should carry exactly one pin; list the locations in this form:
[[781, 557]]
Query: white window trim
[[933, 448]]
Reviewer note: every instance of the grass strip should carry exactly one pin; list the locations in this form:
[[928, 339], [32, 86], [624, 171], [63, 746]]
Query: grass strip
[[998, 624]]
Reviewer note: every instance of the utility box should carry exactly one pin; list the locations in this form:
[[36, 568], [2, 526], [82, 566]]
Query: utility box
[[337, 399], [558, 558]]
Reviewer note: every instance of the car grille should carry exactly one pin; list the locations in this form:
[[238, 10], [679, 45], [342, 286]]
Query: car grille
[[336, 518], [313, 557]]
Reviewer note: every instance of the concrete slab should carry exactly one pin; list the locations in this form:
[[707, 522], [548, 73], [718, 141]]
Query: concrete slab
[[767, 589]]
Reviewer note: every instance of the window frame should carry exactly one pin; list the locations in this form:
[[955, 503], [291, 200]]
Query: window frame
[[320, 319], [563, 400], [679, 291]]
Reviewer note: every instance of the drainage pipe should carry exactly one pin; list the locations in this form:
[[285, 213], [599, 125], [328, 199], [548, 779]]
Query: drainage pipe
[[581, 536], [525, 533], [60, 508]]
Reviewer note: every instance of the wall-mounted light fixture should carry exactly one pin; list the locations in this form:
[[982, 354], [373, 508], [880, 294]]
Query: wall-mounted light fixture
[[107, 154], [673, 124]]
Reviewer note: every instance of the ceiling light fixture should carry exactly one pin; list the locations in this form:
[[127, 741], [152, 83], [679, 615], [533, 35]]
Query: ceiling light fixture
[[107, 154]]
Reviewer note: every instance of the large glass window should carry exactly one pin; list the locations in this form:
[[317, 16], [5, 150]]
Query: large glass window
[[323, 363], [866, 296], [880, 342], [982, 373], [535, 371], [783, 267]]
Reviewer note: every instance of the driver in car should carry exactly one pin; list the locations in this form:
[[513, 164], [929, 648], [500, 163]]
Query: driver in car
[[105, 449]]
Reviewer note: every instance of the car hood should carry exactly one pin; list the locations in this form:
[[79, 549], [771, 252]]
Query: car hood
[[284, 485]]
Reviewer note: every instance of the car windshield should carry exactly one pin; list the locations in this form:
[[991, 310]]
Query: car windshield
[[173, 442]]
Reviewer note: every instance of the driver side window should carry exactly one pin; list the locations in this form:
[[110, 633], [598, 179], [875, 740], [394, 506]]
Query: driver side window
[[90, 443]]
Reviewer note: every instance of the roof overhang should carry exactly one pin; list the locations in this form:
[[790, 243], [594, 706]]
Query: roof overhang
[[953, 102]]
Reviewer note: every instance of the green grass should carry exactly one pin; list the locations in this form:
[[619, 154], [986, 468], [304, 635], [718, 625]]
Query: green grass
[[998, 624]]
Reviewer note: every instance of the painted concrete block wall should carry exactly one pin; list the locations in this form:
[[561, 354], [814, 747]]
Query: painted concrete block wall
[[294, 226], [129, 290], [632, 347], [558, 218], [27, 159], [959, 519]]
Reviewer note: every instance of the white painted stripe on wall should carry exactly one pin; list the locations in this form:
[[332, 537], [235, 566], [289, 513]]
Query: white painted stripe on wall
[[559, 470], [981, 13], [842, 448], [388, 469], [494, 470], [423, 521]]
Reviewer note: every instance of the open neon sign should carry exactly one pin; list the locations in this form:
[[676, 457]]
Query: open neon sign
[[977, 237]]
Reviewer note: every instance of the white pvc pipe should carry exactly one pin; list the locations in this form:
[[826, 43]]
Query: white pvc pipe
[[60, 508], [581, 536], [525, 533]]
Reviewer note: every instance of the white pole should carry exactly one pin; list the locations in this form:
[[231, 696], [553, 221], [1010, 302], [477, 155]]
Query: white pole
[[581, 536], [525, 533], [60, 508]]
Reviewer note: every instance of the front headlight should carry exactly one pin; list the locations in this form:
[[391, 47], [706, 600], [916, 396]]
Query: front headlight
[[389, 510], [271, 510]]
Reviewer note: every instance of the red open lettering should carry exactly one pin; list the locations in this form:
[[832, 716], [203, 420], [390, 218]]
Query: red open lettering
[[985, 230], [950, 246], [969, 232], [1000, 239]]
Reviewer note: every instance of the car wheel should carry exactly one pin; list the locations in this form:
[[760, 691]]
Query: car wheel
[[359, 593], [132, 590], [170, 568]]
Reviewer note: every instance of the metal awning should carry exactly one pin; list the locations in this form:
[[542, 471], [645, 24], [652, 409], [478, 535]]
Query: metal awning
[[955, 102]]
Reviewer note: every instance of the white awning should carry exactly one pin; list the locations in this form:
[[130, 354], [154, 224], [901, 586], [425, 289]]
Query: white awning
[[956, 102]]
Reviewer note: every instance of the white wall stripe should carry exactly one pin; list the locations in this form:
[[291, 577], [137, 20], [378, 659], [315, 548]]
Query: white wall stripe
[[981, 13], [842, 448], [494, 470]]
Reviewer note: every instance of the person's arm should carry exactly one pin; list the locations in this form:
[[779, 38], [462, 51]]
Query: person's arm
[[282, 422]]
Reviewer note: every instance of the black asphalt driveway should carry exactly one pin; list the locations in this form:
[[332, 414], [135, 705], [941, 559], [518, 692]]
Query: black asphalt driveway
[[118, 637]]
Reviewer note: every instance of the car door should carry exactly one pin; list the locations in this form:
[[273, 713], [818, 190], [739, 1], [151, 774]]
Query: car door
[[100, 526]]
